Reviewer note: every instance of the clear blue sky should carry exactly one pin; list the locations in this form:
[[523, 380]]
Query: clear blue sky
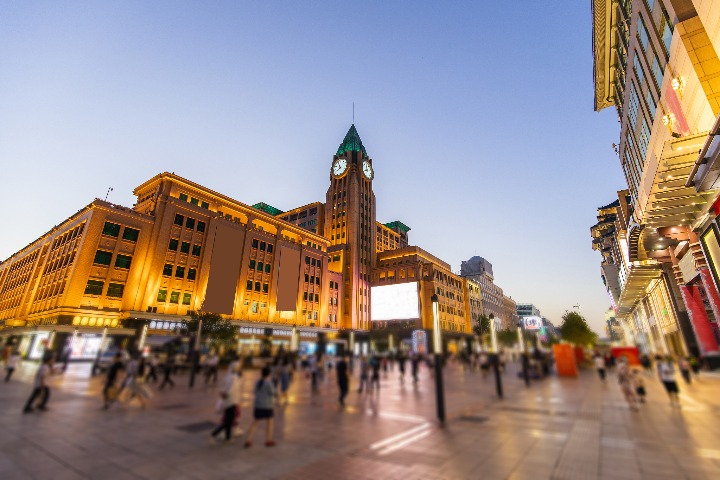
[[478, 117]]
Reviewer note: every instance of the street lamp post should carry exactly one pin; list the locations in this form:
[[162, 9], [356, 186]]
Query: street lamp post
[[524, 357], [437, 349], [196, 356]]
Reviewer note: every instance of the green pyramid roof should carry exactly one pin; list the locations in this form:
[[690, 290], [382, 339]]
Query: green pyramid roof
[[351, 143]]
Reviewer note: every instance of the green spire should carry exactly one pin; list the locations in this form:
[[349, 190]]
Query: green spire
[[351, 143]]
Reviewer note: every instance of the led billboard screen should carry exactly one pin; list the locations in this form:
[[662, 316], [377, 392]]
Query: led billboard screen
[[532, 323], [395, 302]]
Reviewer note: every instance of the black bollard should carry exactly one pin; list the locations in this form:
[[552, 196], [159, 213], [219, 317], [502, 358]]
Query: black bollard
[[495, 359], [439, 392], [525, 368]]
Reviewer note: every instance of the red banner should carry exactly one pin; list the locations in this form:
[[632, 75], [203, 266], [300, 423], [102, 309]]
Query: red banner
[[699, 320], [631, 353], [674, 104]]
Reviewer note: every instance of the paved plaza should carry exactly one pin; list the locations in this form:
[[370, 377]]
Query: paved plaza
[[556, 429]]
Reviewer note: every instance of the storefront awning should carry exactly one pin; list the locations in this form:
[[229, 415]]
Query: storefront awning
[[671, 202], [636, 284]]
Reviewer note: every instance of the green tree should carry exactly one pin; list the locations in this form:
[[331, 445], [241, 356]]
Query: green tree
[[214, 327], [507, 338], [482, 325], [575, 329]]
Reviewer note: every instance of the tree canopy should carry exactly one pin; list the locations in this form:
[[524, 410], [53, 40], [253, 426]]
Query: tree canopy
[[214, 327], [575, 329]]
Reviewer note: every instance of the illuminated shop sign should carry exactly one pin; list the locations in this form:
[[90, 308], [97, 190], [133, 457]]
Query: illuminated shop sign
[[274, 331]]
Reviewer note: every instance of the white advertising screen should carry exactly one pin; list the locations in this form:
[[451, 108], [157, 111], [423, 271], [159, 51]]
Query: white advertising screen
[[395, 302], [532, 323]]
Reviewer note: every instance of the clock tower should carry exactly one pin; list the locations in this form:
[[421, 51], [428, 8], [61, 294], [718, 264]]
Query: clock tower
[[350, 226]]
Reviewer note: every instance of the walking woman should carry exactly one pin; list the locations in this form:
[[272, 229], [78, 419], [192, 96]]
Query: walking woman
[[229, 402], [263, 409], [626, 384], [667, 376]]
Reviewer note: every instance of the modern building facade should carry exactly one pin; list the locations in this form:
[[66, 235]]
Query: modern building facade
[[657, 63], [494, 301]]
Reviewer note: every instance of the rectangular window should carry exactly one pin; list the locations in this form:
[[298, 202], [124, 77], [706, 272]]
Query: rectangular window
[[644, 139], [260, 266], [167, 269], [307, 278], [196, 250], [186, 298], [651, 104], [252, 264], [667, 32], [191, 273], [265, 288], [102, 257], [205, 205], [185, 247], [115, 290], [162, 295], [317, 280], [316, 297], [312, 262], [194, 201], [257, 286], [190, 223], [262, 246], [184, 197], [657, 71], [633, 106], [94, 287], [200, 226], [179, 272], [255, 243], [269, 248], [307, 260], [111, 229], [267, 268], [123, 261], [131, 234], [642, 34], [254, 307], [173, 245], [178, 219], [638, 69], [305, 295], [174, 297], [249, 285]]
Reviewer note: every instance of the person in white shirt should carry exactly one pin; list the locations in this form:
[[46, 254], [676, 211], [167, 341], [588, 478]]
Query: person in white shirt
[[600, 366], [11, 363], [666, 369], [40, 387], [229, 402]]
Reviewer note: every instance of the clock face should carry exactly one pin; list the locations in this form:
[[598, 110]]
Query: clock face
[[367, 170], [339, 166]]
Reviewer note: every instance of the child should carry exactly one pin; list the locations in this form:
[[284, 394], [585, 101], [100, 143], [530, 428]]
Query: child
[[263, 408], [639, 385]]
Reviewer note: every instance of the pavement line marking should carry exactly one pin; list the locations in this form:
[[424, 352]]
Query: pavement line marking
[[399, 416], [405, 442], [399, 437], [691, 401]]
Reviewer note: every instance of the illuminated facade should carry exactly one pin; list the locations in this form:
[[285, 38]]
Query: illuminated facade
[[657, 63], [184, 247], [494, 301]]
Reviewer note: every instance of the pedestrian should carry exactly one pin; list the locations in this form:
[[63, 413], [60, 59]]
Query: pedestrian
[[152, 373], [11, 364], [401, 365], [415, 365], [684, 365], [133, 382], [228, 403], [314, 374], [667, 376], [384, 362], [285, 377], [168, 369], [646, 363], [484, 364], [341, 368], [211, 371], [364, 374], [639, 385], [40, 387], [110, 392], [626, 384], [600, 365], [263, 409], [375, 378]]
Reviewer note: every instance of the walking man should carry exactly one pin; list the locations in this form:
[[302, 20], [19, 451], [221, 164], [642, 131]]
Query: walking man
[[229, 402], [364, 374], [168, 368], [40, 387], [342, 378], [212, 363], [600, 366], [110, 392], [154, 363]]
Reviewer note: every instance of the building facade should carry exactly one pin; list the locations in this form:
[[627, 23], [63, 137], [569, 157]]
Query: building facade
[[494, 301], [657, 63]]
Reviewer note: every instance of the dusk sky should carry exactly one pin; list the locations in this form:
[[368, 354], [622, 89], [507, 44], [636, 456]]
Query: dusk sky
[[478, 117]]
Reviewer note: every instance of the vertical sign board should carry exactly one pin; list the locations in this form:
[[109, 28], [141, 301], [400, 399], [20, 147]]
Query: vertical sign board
[[420, 342], [288, 279], [224, 270], [565, 360]]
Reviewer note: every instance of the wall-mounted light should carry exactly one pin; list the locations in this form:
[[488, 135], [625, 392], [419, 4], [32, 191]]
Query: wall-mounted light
[[678, 84], [668, 119]]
